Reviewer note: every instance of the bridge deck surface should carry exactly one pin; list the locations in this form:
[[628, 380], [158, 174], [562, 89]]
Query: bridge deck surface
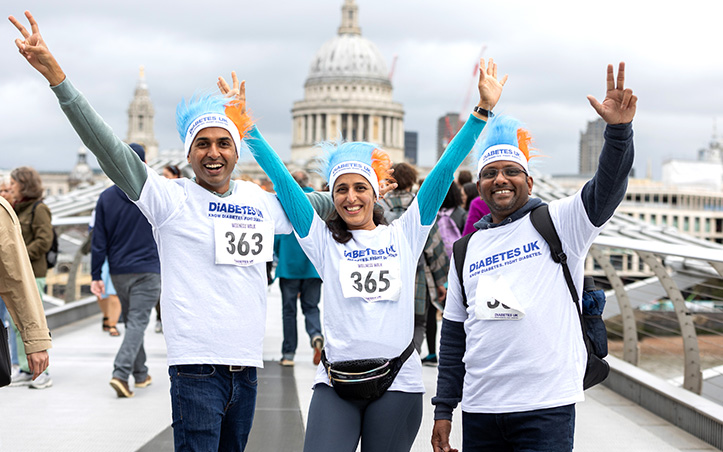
[[81, 412]]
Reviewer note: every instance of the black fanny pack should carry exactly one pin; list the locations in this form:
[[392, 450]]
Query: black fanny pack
[[364, 379]]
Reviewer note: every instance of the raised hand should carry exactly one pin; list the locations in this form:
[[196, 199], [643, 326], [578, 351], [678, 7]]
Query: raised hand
[[490, 87], [36, 52], [238, 91], [619, 104]]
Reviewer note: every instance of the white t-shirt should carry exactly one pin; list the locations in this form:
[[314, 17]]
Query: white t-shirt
[[524, 347], [369, 293], [213, 313]]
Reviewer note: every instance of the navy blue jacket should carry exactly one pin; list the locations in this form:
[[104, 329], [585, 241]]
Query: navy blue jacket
[[123, 235]]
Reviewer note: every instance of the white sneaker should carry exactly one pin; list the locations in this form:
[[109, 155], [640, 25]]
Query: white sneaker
[[21, 378], [159, 326], [43, 381]]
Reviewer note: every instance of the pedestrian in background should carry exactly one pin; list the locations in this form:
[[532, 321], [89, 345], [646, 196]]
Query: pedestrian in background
[[26, 188], [123, 236], [475, 206], [20, 293], [5, 318]]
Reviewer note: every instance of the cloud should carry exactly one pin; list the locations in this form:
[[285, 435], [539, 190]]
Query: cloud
[[555, 53]]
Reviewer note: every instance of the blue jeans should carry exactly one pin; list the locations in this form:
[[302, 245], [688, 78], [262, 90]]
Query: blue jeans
[[138, 294], [547, 430], [213, 408], [5, 319], [309, 291]]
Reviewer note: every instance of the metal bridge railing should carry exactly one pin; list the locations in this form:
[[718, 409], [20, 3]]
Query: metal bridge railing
[[669, 323]]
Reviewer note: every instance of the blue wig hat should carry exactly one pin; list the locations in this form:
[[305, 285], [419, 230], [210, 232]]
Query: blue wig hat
[[354, 157], [503, 139], [203, 111]]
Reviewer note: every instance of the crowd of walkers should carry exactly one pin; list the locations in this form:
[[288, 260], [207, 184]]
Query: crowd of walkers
[[386, 253]]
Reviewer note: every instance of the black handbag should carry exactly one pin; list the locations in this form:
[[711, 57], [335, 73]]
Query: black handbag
[[364, 379], [5, 365]]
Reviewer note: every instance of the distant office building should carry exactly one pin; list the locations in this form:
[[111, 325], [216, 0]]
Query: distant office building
[[140, 119], [591, 143], [347, 91], [447, 127], [705, 173], [694, 212], [693, 174], [411, 140]]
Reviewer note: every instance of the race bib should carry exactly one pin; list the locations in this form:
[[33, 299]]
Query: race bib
[[495, 301], [243, 243], [373, 281]]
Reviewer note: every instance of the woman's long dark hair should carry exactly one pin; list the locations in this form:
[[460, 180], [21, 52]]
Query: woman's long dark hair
[[453, 198], [339, 229], [470, 188]]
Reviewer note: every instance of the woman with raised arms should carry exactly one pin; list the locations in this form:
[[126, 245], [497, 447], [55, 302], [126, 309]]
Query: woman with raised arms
[[368, 270]]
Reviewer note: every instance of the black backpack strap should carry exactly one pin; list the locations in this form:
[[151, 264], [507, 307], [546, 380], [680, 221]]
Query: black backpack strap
[[32, 216], [541, 220], [459, 251], [32, 213]]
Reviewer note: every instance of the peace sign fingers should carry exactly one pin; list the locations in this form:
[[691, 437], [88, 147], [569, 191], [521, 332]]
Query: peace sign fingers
[[36, 52]]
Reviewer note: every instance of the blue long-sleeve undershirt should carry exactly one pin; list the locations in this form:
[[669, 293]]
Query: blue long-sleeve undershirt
[[435, 186], [430, 196], [292, 197]]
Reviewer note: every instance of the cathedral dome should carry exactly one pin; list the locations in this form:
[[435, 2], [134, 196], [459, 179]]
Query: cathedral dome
[[348, 57], [347, 93]]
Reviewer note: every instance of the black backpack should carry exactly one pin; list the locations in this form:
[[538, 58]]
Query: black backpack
[[593, 328], [51, 257]]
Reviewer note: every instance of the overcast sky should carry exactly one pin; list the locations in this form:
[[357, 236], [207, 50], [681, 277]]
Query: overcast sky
[[555, 53]]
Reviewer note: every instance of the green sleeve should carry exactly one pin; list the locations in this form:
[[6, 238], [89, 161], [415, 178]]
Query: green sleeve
[[116, 158]]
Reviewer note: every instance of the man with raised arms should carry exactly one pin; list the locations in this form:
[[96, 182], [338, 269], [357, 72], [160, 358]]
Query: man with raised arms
[[214, 237], [513, 354]]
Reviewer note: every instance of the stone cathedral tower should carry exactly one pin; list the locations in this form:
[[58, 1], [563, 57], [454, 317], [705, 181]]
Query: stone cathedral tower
[[348, 91], [140, 119]]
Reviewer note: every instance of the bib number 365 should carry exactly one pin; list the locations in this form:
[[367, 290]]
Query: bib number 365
[[372, 282]]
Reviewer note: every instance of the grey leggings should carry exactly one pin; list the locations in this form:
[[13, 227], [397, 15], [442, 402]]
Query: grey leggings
[[388, 424]]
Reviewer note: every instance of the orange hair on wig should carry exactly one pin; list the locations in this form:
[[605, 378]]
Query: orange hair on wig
[[236, 112], [381, 164], [524, 140]]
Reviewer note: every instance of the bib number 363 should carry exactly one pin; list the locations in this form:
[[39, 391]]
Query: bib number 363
[[243, 243], [371, 281]]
